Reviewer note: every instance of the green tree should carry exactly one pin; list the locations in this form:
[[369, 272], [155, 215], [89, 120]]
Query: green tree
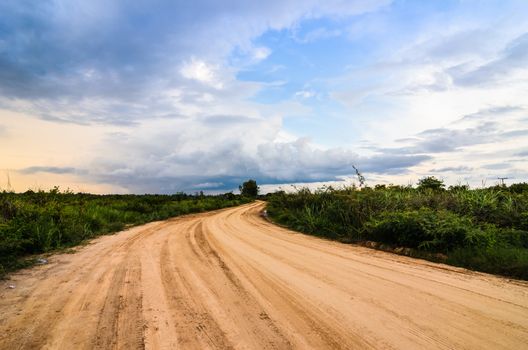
[[431, 182], [249, 188]]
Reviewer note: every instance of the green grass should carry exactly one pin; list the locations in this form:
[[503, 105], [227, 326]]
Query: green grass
[[39, 222], [481, 229]]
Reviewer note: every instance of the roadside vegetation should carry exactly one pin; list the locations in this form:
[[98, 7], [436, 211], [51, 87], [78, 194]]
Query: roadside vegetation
[[483, 229], [39, 222]]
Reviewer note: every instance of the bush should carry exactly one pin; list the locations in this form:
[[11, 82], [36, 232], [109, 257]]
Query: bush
[[435, 231], [403, 228], [492, 221], [430, 183], [509, 261], [37, 222]]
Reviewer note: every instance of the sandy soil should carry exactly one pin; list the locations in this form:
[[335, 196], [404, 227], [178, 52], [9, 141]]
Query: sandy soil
[[229, 279]]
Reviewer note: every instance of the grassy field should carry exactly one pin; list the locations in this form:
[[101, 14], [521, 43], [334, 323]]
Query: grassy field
[[481, 229], [38, 222]]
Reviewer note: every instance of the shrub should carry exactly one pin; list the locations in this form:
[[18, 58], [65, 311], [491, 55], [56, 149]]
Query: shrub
[[430, 183], [493, 222], [37, 222], [509, 261], [437, 231]]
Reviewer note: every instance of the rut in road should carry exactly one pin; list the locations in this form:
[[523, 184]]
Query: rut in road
[[230, 280]]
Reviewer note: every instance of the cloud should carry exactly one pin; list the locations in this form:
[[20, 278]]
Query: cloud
[[454, 169], [209, 185], [164, 81], [488, 126], [203, 72], [241, 148], [445, 139], [392, 164], [514, 57], [497, 166], [305, 94], [261, 53], [218, 152], [318, 34], [479, 145], [491, 112], [50, 169], [515, 133], [119, 60]]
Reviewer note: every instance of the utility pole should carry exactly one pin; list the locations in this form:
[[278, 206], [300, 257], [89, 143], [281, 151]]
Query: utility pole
[[502, 180]]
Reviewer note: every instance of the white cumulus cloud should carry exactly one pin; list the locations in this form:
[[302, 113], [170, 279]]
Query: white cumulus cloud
[[201, 71]]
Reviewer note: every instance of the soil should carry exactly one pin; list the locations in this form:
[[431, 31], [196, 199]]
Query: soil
[[230, 279]]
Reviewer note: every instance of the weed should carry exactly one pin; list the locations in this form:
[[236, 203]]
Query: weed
[[38, 222], [484, 229]]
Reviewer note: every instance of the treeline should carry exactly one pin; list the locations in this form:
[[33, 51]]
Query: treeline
[[37, 222], [481, 229]]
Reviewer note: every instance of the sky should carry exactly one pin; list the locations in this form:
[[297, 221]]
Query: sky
[[165, 96]]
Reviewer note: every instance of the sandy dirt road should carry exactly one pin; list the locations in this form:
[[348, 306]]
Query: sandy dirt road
[[229, 279]]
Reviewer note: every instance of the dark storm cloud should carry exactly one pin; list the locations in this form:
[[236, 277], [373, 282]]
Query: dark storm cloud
[[181, 161], [191, 155], [223, 166]]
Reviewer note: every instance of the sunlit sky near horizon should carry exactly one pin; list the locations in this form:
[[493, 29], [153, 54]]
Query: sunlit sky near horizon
[[166, 96]]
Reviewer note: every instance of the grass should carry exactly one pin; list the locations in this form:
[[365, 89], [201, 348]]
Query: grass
[[38, 222], [481, 229]]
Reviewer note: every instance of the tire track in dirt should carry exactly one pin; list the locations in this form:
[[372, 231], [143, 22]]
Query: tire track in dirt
[[230, 280], [321, 274]]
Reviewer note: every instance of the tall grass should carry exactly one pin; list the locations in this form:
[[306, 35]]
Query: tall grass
[[37, 222], [483, 229]]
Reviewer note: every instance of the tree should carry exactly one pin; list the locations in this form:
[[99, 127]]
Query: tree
[[430, 182], [249, 188]]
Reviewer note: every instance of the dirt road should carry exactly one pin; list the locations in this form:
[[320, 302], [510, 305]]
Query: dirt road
[[229, 279]]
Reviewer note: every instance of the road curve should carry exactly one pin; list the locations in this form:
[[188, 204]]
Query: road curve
[[229, 279]]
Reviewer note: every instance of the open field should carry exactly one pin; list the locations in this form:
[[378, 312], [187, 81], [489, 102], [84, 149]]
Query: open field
[[230, 279]]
